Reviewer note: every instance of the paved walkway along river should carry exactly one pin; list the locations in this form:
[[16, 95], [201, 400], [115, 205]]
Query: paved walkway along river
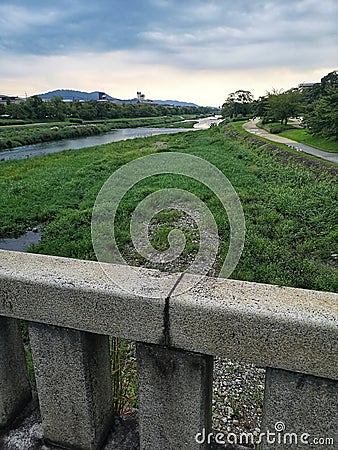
[[251, 127]]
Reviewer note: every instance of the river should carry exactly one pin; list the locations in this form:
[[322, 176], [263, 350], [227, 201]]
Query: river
[[123, 134], [44, 148], [22, 243]]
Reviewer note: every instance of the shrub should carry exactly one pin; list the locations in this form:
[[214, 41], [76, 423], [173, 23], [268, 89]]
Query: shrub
[[275, 129]]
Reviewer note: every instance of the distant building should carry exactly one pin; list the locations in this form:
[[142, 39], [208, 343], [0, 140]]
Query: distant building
[[305, 85], [4, 99], [141, 98], [103, 97]]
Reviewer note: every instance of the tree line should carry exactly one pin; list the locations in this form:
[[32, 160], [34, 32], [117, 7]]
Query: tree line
[[316, 104], [35, 109]]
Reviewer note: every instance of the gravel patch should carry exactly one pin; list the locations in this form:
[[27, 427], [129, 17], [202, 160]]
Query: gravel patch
[[238, 392], [237, 408]]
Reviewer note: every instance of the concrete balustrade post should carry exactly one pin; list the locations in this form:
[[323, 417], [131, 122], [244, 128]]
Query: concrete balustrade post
[[73, 378], [300, 411], [175, 395], [15, 389]]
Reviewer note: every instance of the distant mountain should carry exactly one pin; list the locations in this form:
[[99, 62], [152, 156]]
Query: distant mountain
[[174, 103], [162, 102], [71, 95]]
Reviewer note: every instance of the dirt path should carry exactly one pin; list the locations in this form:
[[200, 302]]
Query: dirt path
[[251, 127]]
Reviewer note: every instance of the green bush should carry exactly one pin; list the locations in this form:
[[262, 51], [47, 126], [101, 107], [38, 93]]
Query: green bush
[[275, 129], [75, 120], [240, 117]]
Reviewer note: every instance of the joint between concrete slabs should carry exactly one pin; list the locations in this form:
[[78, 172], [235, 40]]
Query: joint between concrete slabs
[[297, 332], [166, 314]]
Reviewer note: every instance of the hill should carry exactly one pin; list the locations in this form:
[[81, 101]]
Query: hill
[[71, 95], [175, 103]]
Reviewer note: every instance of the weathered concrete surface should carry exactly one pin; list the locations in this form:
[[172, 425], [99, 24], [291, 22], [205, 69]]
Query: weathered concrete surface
[[15, 389], [300, 404], [283, 328], [26, 432], [73, 377], [270, 326], [175, 390], [79, 295], [125, 436]]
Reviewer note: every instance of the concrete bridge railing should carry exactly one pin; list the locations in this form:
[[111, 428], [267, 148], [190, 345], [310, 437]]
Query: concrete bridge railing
[[72, 308]]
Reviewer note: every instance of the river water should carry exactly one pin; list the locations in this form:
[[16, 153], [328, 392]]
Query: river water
[[44, 148], [23, 242]]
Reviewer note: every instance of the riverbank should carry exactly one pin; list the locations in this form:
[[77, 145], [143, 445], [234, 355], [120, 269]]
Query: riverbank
[[16, 136], [59, 191], [46, 148], [289, 228], [295, 131], [119, 134], [252, 128]]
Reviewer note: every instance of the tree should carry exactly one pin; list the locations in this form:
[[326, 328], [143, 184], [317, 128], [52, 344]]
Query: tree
[[56, 109], [238, 102], [283, 105], [312, 94], [260, 107], [87, 110], [320, 89], [17, 111], [322, 116], [35, 108], [330, 80]]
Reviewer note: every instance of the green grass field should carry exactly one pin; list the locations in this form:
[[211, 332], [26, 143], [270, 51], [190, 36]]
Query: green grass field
[[301, 135], [290, 212], [239, 127]]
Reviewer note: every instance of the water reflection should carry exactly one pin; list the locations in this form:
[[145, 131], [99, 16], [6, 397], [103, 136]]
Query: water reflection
[[44, 148], [22, 243]]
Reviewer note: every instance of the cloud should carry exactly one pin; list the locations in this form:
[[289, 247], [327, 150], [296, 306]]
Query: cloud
[[140, 40], [190, 33], [118, 74], [66, 26], [267, 33]]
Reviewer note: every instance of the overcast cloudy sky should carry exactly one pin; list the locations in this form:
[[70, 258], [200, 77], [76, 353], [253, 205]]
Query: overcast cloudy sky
[[189, 50]]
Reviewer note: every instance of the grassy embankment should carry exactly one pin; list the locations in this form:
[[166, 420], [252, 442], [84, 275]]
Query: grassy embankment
[[290, 213], [238, 126], [301, 135], [15, 136]]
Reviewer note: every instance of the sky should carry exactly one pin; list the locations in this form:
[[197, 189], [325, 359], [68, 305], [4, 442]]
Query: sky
[[189, 50]]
